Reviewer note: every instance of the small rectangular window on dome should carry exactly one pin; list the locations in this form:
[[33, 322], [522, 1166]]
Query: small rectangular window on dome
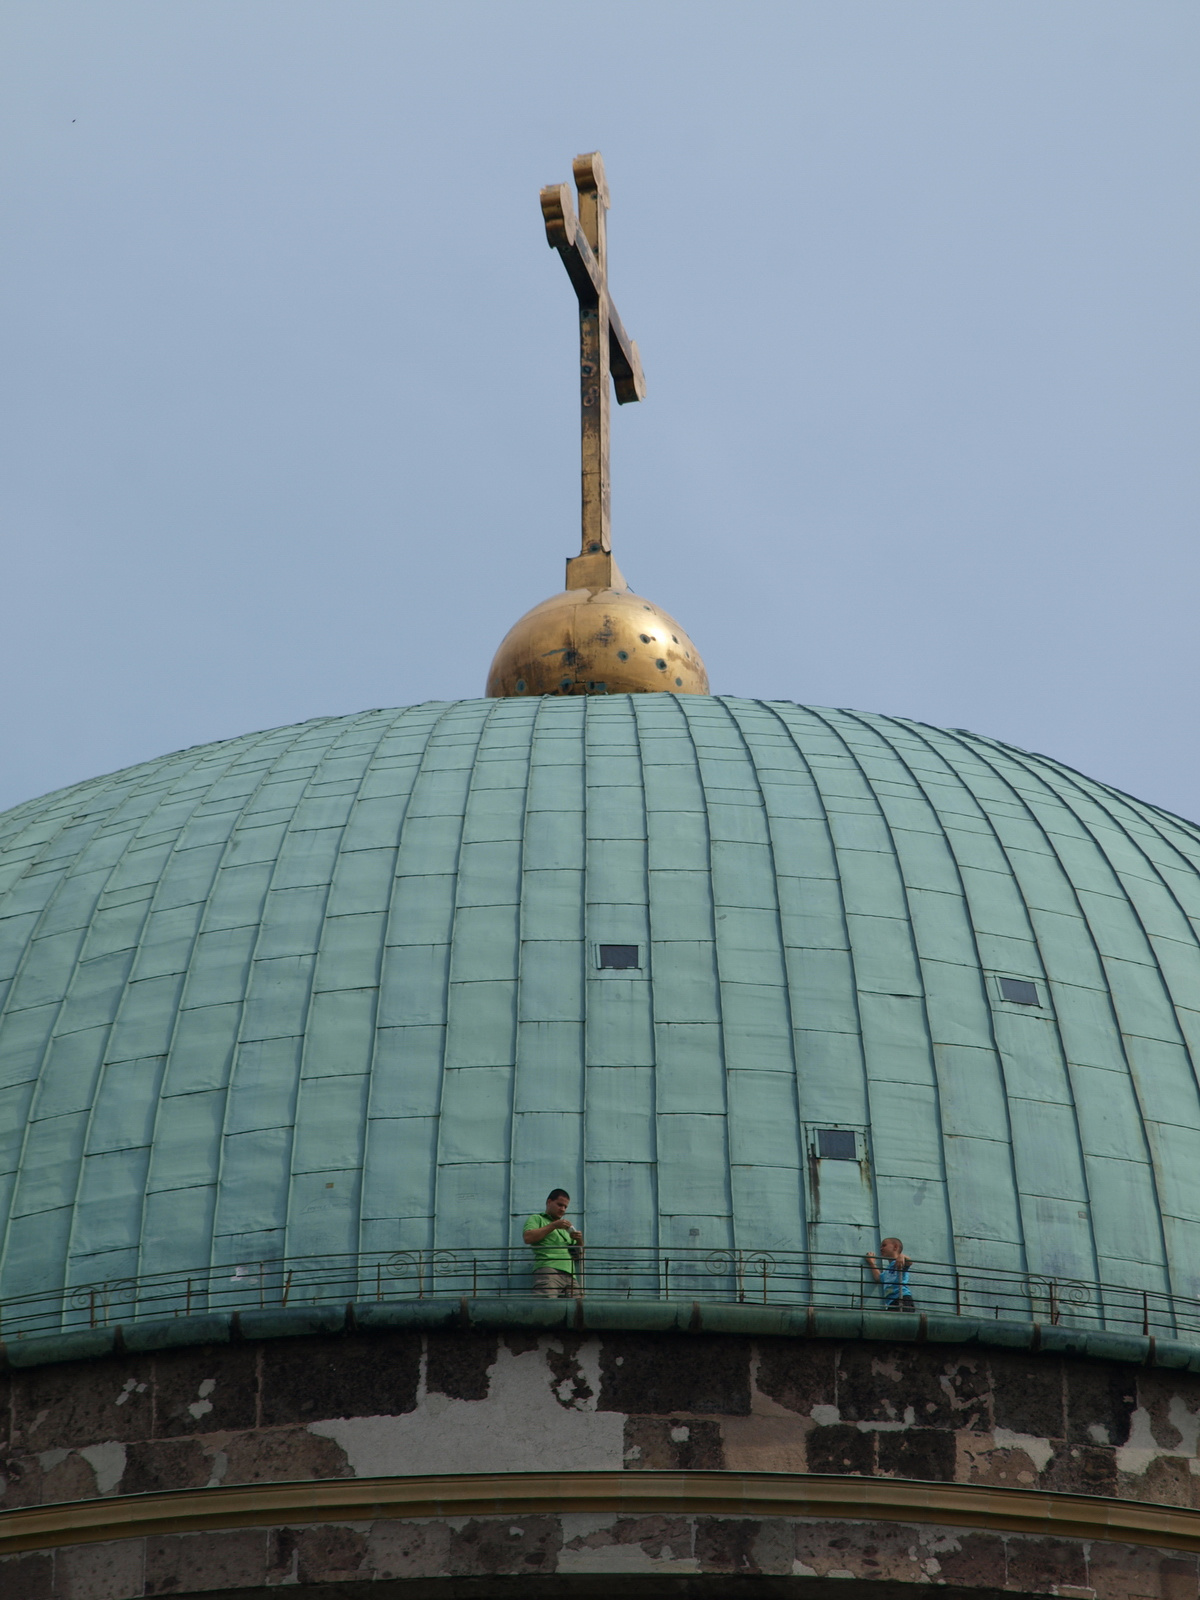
[[836, 1144], [620, 957], [1019, 990]]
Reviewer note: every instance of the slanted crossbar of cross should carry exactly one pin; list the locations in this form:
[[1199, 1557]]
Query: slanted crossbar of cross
[[605, 349]]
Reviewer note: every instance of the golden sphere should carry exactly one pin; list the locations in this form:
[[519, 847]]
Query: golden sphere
[[596, 641]]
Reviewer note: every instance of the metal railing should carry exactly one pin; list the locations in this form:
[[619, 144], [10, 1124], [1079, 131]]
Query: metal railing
[[736, 1276]]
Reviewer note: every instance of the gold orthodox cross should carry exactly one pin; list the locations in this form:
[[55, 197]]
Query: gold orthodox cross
[[604, 347]]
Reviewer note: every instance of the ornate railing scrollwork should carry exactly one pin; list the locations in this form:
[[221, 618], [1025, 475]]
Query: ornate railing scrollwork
[[1054, 1294], [97, 1298], [423, 1266], [744, 1266]]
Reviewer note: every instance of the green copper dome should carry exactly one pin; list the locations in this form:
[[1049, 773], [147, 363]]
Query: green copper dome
[[339, 986]]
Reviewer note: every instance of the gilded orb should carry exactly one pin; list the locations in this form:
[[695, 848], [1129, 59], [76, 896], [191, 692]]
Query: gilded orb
[[602, 640]]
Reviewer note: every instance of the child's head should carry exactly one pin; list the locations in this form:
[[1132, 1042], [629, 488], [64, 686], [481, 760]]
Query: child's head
[[891, 1249]]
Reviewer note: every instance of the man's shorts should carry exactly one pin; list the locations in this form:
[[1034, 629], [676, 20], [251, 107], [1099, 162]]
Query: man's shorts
[[552, 1284]]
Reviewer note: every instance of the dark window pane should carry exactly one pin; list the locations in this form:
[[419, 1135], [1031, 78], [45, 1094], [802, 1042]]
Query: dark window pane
[[620, 956], [1020, 990], [835, 1144]]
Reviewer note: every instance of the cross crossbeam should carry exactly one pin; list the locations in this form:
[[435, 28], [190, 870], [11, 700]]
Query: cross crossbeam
[[605, 349]]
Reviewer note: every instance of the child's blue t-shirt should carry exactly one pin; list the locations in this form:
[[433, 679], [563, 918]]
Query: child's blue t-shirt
[[895, 1281]]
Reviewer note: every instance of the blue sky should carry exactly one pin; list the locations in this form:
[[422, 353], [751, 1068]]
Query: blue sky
[[290, 419]]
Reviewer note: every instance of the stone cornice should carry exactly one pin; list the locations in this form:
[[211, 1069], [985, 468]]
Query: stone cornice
[[738, 1494]]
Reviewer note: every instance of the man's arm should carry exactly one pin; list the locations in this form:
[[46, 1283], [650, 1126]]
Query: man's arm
[[874, 1266], [536, 1235]]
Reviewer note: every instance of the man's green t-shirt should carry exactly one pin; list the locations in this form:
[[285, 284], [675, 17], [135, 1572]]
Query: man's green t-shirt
[[554, 1251]]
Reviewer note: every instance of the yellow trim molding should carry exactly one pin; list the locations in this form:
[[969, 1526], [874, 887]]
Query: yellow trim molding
[[495, 1494]]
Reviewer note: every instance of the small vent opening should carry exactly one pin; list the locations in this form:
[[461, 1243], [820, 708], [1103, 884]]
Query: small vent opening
[[1019, 990], [836, 1144], [621, 957]]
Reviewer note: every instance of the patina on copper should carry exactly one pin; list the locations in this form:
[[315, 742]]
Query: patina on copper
[[597, 637]]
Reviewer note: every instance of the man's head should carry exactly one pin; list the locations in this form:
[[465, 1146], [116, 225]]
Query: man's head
[[557, 1202], [891, 1249]]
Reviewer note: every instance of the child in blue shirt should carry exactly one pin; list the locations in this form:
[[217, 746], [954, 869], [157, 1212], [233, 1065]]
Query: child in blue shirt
[[893, 1275]]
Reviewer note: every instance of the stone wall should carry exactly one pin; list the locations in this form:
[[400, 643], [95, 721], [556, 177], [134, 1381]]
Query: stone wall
[[373, 1404], [471, 1401]]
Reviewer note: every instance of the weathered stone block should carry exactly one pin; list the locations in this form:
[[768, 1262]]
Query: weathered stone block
[[165, 1464], [1081, 1469], [1006, 1466], [1027, 1395], [1046, 1566], [502, 1545], [975, 1560], [1100, 1401], [80, 1403], [275, 1455], [1168, 1480], [765, 1444], [899, 1383], [796, 1374], [570, 1384], [658, 1376], [355, 1376], [329, 1553], [673, 1443], [841, 1448], [1132, 1572], [927, 1453], [30, 1575], [884, 1551], [731, 1544], [69, 1478], [206, 1390], [409, 1549], [110, 1571], [20, 1481], [181, 1563], [965, 1383], [659, 1538], [458, 1364]]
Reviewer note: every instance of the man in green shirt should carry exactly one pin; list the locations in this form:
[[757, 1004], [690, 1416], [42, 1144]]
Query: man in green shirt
[[551, 1237]]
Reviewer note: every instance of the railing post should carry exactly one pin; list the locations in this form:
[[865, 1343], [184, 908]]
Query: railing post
[[287, 1288], [1145, 1312], [420, 1274], [764, 1278], [666, 1277], [1053, 1305], [379, 1280], [474, 1279]]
